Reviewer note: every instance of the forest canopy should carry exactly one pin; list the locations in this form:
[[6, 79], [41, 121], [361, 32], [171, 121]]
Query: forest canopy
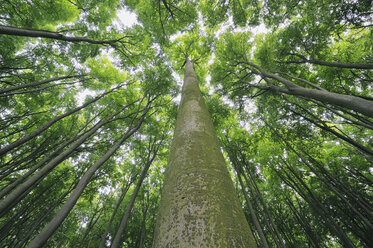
[[88, 107]]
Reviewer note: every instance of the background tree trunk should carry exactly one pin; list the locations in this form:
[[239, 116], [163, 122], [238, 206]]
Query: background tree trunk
[[118, 235]]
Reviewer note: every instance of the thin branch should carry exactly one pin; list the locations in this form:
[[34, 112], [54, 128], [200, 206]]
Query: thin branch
[[330, 64]]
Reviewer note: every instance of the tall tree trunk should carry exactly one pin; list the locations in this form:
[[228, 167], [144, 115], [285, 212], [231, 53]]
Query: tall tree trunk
[[199, 206]]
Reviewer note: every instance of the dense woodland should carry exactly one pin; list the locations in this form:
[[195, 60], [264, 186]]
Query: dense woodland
[[88, 105]]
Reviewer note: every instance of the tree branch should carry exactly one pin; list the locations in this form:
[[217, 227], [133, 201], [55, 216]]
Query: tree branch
[[8, 30], [330, 64]]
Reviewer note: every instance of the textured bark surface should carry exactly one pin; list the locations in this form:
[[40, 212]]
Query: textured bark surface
[[199, 206]]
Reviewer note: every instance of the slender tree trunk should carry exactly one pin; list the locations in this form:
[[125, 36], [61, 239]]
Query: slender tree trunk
[[302, 220], [143, 232], [9, 202], [118, 235], [50, 123], [19, 180], [10, 120], [23, 86], [145, 207], [350, 120], [252, 213], [15, 224], [25, 187], [280, 242], [38, 89], [43, 217], [199, 206], [318, 207], [267, 224], [52, 226], [327, 181], [92, 223], [346, 101], [232, 156], [324, 126], [14, 196], [266, 213], [107, 230]]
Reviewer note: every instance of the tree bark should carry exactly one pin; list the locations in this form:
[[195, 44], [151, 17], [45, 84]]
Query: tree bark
[[199, 206]]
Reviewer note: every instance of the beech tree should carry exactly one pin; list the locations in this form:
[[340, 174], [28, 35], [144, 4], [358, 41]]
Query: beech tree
[[198, 205], [270, 145]]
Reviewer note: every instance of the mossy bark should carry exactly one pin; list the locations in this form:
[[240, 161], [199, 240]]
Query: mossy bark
[[199, 206]]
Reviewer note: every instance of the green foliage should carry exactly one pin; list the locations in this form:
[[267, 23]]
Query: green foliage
[[164, 18], [302, 158], [39, 14], [243, 12]]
